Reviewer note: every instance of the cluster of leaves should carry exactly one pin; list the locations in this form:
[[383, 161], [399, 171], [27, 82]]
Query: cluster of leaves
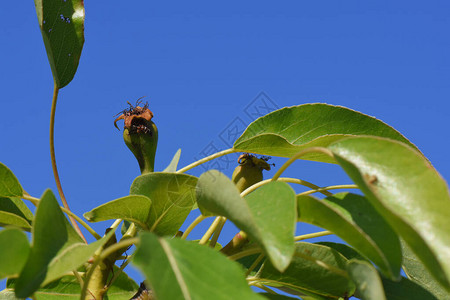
[[401, 218]]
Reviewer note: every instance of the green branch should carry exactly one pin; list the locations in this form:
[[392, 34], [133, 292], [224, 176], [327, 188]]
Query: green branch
[[206, 159]]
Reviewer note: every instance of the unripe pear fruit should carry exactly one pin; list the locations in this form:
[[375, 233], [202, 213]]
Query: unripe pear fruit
[[140, 135], [249, 171]]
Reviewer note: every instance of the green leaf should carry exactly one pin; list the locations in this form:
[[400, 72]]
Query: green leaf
[[14, 212], [354, 219], [267, 215], [368, 282], [131, 208], [14, 251], [275, 296], [407, 191], [416, 271], [347, 251], [9, 185], [72, 257], [172, 167], [405, 289], [51, 234], [179, 269], [172, 196], [68, 287], [62, 28], [314, 270], [290, 130]]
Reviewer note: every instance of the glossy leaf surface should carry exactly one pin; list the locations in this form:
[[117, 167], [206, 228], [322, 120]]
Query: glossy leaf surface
[[14, 251], [179, 269], [172, 196], [368, 282], [354, 219], [407, 191], [134, 208], [9, 185], [267, 215], [62, 28], [289, 130], [315, 269]]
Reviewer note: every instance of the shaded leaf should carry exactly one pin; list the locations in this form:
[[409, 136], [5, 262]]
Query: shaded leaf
[[368, 282], [172, 196], [51, 233], [314, 270], [62, 28], [179, 269], [132, 208], [7, 218], [267, 215], [14, 212], [347, 251], [353, 218], [14, 251], [9, 185], [407, 191], [416, 271], [172, 167], [289, 130], [405, 289]]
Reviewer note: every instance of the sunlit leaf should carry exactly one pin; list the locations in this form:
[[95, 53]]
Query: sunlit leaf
[[172, 167], [14, 251], [353, 218], [62, 28], [134, 208], [267, 215], [407, 191], [289, 130], [314, 270], [368, 282], [179, 269], [172, 196], [9, 185]]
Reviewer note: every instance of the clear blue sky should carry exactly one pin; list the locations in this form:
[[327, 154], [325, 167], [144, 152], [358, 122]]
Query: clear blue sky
[[200, 64]]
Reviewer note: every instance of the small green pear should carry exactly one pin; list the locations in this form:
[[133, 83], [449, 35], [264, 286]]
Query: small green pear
[[140, 135], [249, 171]]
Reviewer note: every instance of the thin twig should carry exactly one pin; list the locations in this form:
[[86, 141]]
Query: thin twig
[[53, 159]]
